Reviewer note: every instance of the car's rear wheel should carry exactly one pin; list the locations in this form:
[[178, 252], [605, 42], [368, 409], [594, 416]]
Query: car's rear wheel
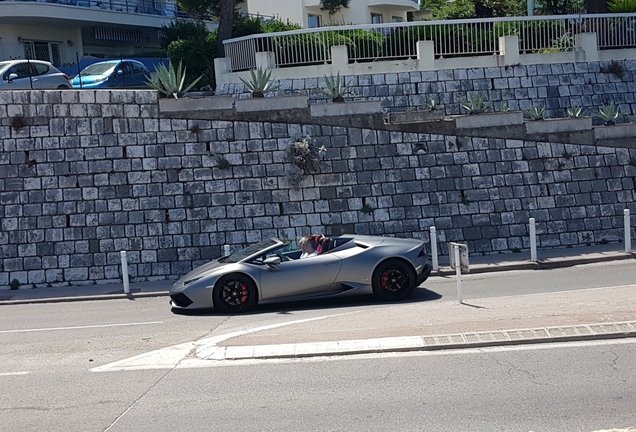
[[235, 293], [393, 280]]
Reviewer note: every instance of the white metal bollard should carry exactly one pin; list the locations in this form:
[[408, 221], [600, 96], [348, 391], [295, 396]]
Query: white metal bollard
[[458, 273], [628, 232], [124, 272], [434, 249], [533, 241], [226, 250]]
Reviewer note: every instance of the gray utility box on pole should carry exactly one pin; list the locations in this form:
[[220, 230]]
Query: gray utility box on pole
[[463, 257]]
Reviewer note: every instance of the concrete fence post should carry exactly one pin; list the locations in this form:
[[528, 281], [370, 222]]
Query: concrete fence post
[[124, 272], [628, 232], [533, 241], [434, 260]]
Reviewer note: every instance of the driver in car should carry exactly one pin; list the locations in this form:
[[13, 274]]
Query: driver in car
[[308, 247]]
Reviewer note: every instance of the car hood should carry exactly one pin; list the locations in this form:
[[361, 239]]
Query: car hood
[[88, 79], [202, 271]]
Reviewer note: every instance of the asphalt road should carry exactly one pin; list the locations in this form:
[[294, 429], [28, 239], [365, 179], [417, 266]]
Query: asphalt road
[[47, 351]]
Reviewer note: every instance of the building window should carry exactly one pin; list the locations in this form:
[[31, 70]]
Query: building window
[[315, 21], [377, 18], [397, 19], [45, 51]]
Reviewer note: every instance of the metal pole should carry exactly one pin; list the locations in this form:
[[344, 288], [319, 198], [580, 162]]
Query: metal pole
[[628, 232], [434, 248], [533, 241], [458, 273], [124, 272]]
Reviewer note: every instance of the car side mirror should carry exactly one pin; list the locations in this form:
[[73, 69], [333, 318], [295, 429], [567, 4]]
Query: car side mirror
[[120, 72], [272, 262], [12, 77]]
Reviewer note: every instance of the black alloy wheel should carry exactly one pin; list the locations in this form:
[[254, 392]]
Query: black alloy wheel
[[393, 280], [235, 293]]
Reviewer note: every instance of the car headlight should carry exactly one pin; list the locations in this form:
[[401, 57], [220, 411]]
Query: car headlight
[[191, 281]]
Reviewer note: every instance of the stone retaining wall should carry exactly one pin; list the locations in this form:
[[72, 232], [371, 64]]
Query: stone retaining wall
[[86, 174], [556, 87]]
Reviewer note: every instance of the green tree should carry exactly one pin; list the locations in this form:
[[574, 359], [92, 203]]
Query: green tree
[[224, 10], [333, 6]]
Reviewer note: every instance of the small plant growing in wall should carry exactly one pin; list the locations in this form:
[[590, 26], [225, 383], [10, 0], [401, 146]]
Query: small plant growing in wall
[[615, 68], [195, 129], [222, 163], [475, 104], [260, 83], [335, 88], [536, 113], [15, 284], [367, 209], [609, 113], [305, 159], [18, 123]]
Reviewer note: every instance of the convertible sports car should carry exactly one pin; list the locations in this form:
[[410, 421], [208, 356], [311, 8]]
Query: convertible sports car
[[271, 271]]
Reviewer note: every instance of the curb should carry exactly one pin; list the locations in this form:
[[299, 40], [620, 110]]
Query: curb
[[546, 264], [586, 332], [84, 298]]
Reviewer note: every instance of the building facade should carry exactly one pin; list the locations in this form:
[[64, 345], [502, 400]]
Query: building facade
[[62, 31], [308, 13]]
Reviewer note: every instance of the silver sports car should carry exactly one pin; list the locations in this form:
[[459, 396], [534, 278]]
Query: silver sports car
[[272, 271]]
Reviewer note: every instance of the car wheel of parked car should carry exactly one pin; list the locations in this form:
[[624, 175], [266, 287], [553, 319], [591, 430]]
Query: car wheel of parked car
[[393, 280], [235, 293]]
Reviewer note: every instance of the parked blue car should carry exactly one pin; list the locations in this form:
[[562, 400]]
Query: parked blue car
[[112, 74]]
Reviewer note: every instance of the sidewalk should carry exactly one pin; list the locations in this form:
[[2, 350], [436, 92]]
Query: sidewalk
[[552, 258]]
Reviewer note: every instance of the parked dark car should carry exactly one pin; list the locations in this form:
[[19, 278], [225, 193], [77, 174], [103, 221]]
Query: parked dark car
[[112, 74]]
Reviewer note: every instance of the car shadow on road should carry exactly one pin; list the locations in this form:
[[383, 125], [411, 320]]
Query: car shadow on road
[[419, 294]]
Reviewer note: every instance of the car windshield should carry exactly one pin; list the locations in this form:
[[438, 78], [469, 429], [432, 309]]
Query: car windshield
[[99, 69], [250, 250]]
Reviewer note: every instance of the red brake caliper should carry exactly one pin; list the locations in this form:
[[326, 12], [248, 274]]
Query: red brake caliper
[[384, 281], [244, 293]]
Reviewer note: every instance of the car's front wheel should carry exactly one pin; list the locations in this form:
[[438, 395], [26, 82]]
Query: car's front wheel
[[393, 280], [235, 293]]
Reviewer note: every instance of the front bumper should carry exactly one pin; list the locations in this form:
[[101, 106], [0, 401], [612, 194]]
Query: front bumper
[[426, 271], [180, 300]]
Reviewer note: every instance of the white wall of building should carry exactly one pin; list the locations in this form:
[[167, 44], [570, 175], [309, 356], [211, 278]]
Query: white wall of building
[[14, 36], [298, 11]]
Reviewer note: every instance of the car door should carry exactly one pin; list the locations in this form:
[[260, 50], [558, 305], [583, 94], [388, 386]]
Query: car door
[[43, 78], [299, 277], [138, 77], [125, 78], [22, 77]]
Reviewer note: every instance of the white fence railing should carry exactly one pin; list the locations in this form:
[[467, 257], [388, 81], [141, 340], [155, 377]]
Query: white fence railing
[[394, 41]]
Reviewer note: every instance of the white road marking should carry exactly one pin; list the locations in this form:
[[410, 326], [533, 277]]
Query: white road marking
[[80, 327], [14, 373], [170, 357]]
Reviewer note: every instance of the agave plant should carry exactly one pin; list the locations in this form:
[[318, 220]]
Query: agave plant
[[609, 113], [170, 82], [432, 104], [260, 83], [475, 104], [536, 113], [504, 107], [576, 112], [335, 88]]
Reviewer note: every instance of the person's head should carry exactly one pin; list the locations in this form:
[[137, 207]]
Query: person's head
[[307, 244]]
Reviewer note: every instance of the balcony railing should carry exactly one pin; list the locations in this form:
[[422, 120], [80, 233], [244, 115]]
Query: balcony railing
[[146, 7], [395, 41]]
